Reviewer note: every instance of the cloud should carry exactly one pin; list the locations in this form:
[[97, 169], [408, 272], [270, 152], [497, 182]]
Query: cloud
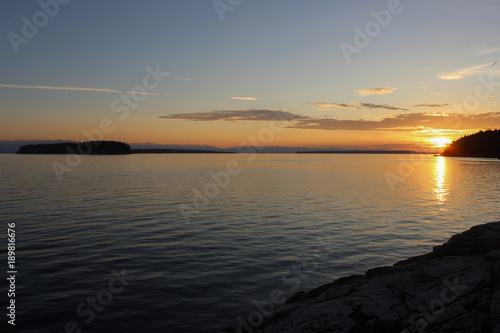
[[236, 115], [2, 85], [431, 105], [488, 51], [461, 73], [406, 122], [424, 87], [376, 91], [245, 98], [356, 106], [379, 106], [329, 106]]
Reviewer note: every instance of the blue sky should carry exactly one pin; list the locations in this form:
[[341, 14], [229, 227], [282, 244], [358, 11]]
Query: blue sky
[[281, 55]]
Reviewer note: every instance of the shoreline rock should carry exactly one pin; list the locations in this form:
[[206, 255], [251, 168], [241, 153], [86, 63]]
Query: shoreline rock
[[454, 288]]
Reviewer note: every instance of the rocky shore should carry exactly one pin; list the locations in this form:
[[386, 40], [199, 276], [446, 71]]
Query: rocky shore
[[455, 288]]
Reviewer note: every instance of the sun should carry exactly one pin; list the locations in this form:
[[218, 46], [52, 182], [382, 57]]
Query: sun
[[440, 142]]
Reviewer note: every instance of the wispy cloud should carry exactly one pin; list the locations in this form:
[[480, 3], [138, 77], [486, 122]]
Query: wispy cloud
[[245, 98], [376, 91], [410, 122], [236, 115], [323, 106], [329, 106], [431, 105], [18, 86], [405, 122], [379, 106], [461, 73], [488, 51]]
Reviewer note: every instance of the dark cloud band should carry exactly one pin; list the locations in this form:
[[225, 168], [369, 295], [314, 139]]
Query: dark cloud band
[[236, 115], [406, 122]]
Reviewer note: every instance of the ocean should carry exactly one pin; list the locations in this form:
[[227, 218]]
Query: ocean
[[196, 243]]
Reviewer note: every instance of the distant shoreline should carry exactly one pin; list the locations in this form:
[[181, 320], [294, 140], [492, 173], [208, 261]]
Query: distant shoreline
[[177, 151], [183, 151], [121, 148], [473, 156], [203, 152], [101, 148], [361, 152]]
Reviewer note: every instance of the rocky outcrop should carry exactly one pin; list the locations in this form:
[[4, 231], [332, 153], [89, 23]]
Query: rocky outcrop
[[455, 288]]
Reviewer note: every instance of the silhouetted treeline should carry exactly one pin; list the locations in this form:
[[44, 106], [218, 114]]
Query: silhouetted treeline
[[82, 148], [480, 144]]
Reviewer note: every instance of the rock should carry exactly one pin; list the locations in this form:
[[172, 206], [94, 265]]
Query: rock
[[487, 242], [455, 288]]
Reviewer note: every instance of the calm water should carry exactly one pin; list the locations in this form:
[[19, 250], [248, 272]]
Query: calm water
[[285, 222]]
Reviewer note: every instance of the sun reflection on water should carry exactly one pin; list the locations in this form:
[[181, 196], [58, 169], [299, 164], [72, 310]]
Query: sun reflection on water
[[440, 190]]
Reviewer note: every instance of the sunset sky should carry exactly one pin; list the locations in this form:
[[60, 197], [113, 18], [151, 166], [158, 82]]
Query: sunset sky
[[344, 74]]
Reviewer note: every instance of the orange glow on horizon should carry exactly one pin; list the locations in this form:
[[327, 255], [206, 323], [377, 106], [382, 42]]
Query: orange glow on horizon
[[440, 142]]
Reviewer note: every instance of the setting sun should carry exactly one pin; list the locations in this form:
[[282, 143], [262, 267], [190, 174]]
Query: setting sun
[[440, 142]]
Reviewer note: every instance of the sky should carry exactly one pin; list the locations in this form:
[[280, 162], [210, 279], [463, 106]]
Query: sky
[[337, 74]]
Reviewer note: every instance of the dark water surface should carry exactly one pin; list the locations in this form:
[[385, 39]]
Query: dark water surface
[[108, 249]]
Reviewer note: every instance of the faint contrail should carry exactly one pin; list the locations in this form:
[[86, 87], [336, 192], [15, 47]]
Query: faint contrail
[[461, 73], [2, 85], [245, 98]]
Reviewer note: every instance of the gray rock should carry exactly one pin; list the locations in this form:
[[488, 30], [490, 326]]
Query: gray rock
[[455, 288]]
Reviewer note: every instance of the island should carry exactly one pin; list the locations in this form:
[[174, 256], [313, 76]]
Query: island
[[82, 148], [454, 288], [102, 148], [480, 144]]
